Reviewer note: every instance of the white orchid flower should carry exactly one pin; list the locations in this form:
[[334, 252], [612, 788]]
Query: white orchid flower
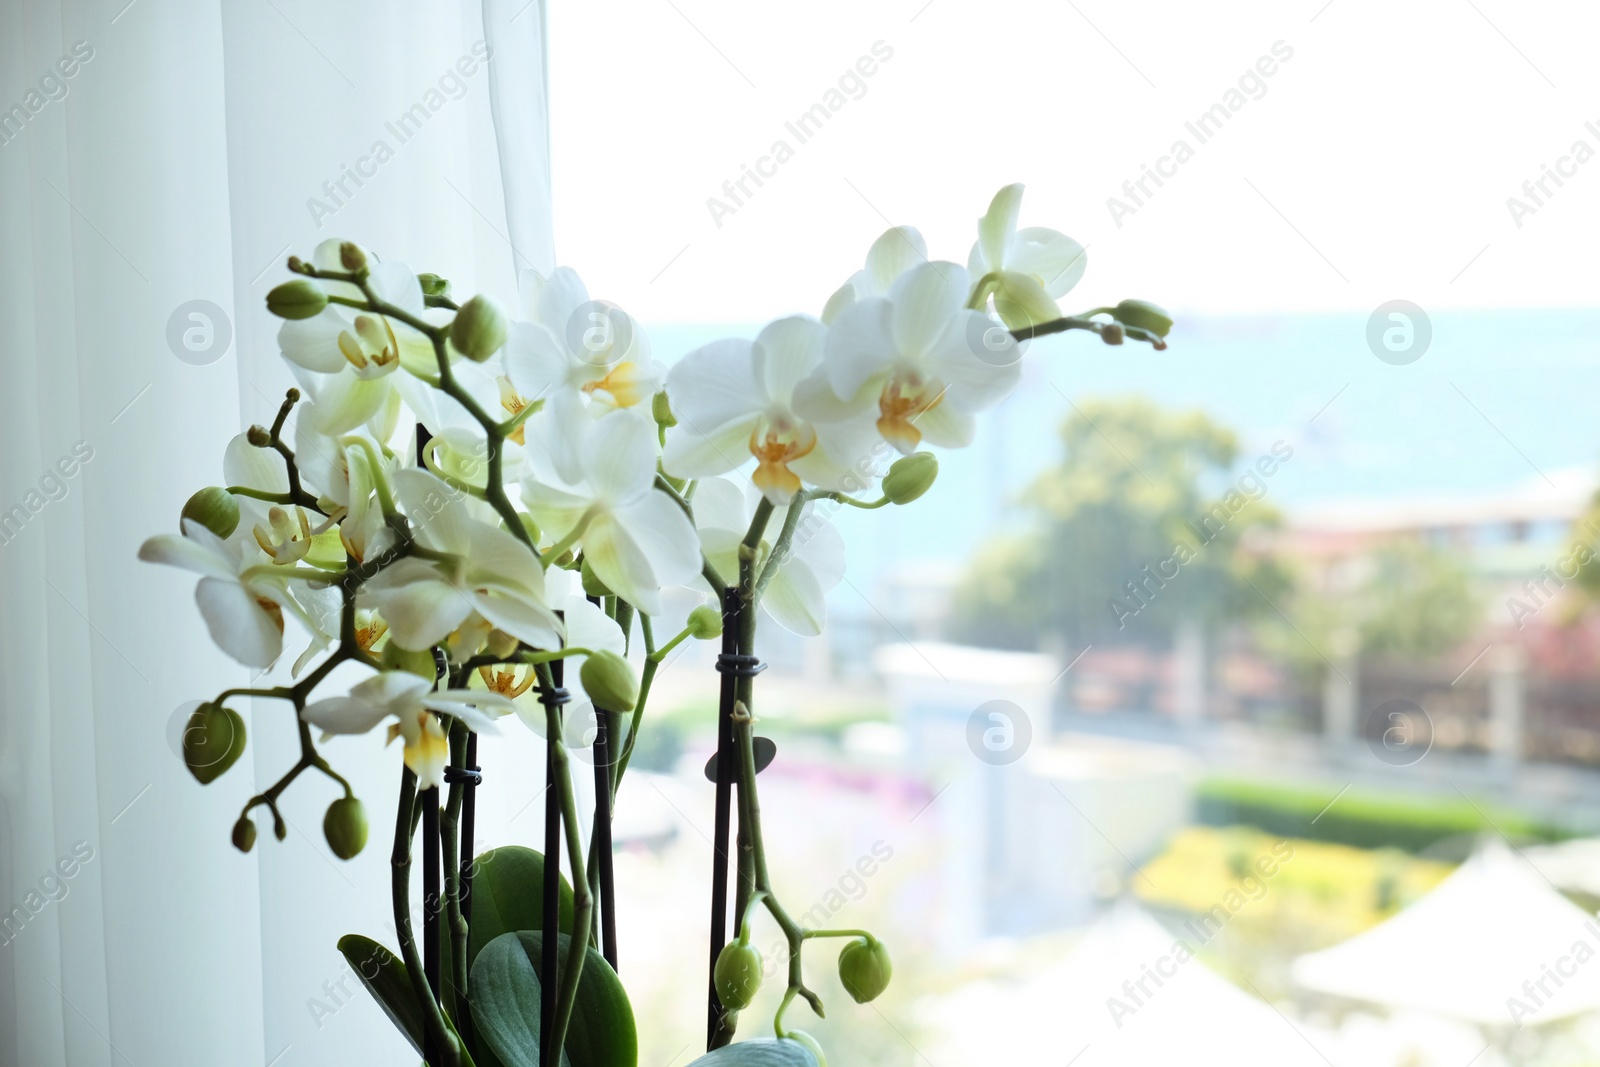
[[239, 599], [587, 627], [737, 399], [409, 700], [1028, 269], [895, 251], [489, 574], [635, 538], [920, 357], [460, 448], [796, 599], [583, 358], [355, 359]]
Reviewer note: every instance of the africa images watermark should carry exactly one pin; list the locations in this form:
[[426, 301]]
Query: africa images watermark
[[806, 126], [850, 886], [1252, 887], [1251, 486], [1566, 167], [451, 85], [1205, 126], [52, 87], [53, 888], [1542, 590], [53, 486], [1537, 990]]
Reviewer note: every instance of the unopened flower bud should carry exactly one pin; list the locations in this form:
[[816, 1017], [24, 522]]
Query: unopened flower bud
[[1144, 315], [809, 1043], [352, 257], [592, 585], [213, 741], [433, 285], [259, 437], [214, 508], [479, 329], [298, 299], [738, 974], [280, 829], [1111, 333], [609, 681], [244, 834], [705, 623], [420, 663], [297, 265], [910, 476], [661, 410], [345, 827], [864, 969]]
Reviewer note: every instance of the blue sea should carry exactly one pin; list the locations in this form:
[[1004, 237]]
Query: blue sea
[[1499, 398]]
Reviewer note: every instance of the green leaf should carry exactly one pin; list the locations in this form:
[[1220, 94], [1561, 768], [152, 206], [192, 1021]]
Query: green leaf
[[760, 1052], [505, 1006], [508, 895], [385, 977]]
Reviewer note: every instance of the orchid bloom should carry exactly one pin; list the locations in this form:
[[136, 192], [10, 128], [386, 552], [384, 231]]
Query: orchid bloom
[[409, 699], [242, 604], [634, 537], [1026, 270], [487, 575], [587, 627], [349, 359], [582, 358], [895, 251], [738, 399], [796, 599], [924, 360]]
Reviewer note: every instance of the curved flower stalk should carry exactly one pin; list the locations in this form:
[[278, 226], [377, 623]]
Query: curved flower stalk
[[553, 448]]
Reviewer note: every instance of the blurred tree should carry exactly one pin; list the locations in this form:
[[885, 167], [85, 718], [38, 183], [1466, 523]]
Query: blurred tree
[[1403, 601], [1142, 526]]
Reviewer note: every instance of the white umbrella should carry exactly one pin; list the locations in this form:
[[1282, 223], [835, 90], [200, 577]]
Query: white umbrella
[[1494, 944], [1128, 995]]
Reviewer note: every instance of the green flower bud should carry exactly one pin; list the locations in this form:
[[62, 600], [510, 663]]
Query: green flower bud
[[809, 1043], [479, 329], [705, 623], [864, 969], [298, 299], [345, 827], [214, 508], [212, 741], [661, 410], [592, 585], [910, 476], [351, 256], [1111, 333], [433, 285], [420, 663], [1144, 315], [609, 681], [738, 974], [244, 834], [280, 829]]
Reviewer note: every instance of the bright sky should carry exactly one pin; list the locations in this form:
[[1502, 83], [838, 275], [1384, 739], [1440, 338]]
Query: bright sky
[[1376, 165]]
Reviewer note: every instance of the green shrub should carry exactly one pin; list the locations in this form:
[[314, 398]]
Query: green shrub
[[1363, 819]]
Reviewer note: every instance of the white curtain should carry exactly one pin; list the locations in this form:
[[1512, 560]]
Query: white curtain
[[160, 154]]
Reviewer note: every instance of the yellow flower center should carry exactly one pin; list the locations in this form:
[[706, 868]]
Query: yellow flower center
[[783, 443], [273, 609], [512, 404], [505, 682], [286, 542], [904, 400], [369, 633], [623, 383], [372, 347]]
